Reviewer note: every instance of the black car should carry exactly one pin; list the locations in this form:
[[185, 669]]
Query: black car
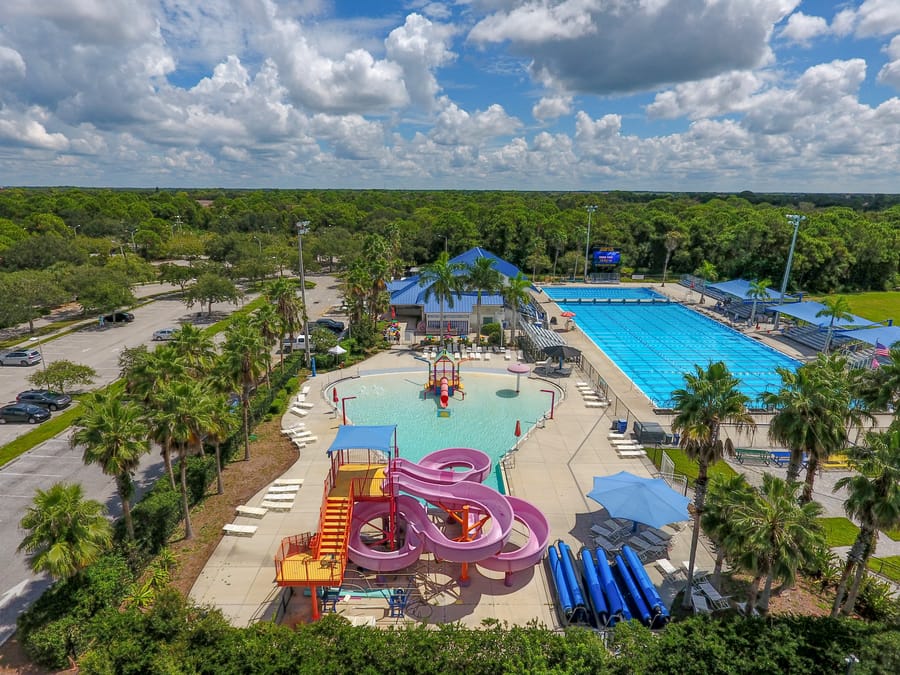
[[23, 412], [52, 400], [119, 317], [331, 324]]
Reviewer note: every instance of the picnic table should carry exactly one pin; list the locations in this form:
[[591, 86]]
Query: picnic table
[[753, 455]]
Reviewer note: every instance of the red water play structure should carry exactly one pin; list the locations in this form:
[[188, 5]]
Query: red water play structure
[[444, 378], [377, 511]]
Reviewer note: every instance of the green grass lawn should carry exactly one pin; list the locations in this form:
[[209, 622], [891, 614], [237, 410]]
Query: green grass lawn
[[838, 531], [889, 566], [686, 466], [874, 306], [893, 534]]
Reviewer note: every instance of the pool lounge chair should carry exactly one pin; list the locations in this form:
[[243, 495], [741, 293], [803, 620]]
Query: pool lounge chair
[[701, 606], [667, 569], [607, 545], [716, 599]]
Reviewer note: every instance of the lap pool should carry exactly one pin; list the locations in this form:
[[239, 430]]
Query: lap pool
[[485, 419], [655, 343]]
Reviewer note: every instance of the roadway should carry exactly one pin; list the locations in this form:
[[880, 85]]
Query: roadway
[[55, 460]]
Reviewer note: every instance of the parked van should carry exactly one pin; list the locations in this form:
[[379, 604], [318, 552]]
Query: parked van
[[298, 344]]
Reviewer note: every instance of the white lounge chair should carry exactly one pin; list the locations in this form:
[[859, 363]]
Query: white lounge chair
[[250, 511], [287, 431], [278, 506], [239, 530], [630, 454], [305, 389], [306, 405], [284, 489], [507, 356], [487, 356], [301, 412], [279, 497], [667, 569], [595, 404], [288, 481]]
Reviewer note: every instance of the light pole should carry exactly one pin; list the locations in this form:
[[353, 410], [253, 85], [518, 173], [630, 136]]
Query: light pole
[[302, 228], [795, 220], [587, 242], [133, 245], [40, 347], [258, 242]]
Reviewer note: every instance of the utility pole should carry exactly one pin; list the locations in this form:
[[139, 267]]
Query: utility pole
[[795, 220], [587, 242], [303, 228]]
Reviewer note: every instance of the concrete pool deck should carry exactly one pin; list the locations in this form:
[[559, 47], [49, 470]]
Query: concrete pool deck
[[553, 468]]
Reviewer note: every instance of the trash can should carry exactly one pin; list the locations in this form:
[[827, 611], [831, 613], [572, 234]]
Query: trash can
[[621, 426]]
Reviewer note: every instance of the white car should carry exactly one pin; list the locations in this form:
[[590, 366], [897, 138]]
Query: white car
[[299, 344], [164, 334]]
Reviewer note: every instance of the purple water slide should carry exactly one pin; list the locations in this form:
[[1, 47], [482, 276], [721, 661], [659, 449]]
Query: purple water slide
[[475, 495], [438, 466], [412, 511], [531, 552]]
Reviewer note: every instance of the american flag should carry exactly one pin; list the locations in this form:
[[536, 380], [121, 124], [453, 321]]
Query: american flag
[[881, 350]]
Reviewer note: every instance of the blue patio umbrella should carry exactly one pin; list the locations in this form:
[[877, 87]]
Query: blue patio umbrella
[[644, 500]]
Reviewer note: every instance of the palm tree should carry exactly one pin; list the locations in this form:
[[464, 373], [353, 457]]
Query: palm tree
[[222, 424], [759, 290], [282, 293], [115, 436], [814, 406], [724, 496], [879, 388], [65, 531], [515, 293], [147, 375], [195, 348], [709, 399], [243, 360], [706, 271], [873, 499], [482, 277], [780, 535], [443, 280], [268, 323], [836, 308], [673, 238], [185, 409]]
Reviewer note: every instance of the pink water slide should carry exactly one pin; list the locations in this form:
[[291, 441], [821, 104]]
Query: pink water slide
[[445, 392], [453, 490], [438, 466]]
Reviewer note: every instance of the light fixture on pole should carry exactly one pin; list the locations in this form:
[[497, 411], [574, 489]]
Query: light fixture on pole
[[302, 228], [587, 242], [40, 347], [795, 220]]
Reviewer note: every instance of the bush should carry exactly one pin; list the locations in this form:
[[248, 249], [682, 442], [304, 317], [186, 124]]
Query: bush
[[201, 471], [156, 516]]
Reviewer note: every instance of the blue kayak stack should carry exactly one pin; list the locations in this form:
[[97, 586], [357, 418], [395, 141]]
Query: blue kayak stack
[[592, 591]]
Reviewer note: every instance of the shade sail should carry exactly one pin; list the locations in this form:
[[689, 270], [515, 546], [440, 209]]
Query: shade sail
[[740, 288], [806, 311], [364, 438], [886, 335]]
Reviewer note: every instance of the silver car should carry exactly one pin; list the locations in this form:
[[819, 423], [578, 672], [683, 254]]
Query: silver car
[[21, 357], [164, 334]]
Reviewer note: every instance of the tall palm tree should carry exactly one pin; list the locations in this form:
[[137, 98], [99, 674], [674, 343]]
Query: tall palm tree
[[195, 348], [709, 399], [64, 531], [223, 423], [243, 360], [147, 375], [673, 238], [442, 280], [268, 323], [879, 388], [708, 272], [115, 436], [780, 535], [355, 288], [482, 277], [516, 294], [836, 308], [873, 499], [724, 496], [282, 293], [185, 409], [813, 408], [759, 291]]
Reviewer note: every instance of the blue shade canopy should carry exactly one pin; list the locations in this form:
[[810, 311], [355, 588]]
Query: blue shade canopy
[[351, 437], [806, 311], [644, 500], [886, 335], [740, 288]]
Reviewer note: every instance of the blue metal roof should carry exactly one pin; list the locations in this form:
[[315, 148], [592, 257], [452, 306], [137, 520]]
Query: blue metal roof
[[740, 288], [506, 269], [464, 303], [409, 292], [806, 311]]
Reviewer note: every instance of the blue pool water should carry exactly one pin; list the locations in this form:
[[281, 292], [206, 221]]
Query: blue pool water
[[485, 419], [655, 344]]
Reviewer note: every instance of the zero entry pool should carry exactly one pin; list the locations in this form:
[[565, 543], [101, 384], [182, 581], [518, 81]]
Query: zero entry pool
[[484, 419], [654, 344]]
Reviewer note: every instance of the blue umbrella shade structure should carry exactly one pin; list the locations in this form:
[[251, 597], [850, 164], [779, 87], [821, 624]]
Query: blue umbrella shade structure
[[644, 500]]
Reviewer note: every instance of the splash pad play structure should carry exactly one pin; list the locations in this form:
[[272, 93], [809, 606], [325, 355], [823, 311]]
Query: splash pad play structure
[[383, 513], [444, 381]]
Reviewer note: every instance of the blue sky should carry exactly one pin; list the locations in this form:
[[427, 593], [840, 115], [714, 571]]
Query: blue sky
[[699, 95]]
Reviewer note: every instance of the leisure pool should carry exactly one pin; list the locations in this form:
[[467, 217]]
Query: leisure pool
[[654, 344], [485, 419]]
